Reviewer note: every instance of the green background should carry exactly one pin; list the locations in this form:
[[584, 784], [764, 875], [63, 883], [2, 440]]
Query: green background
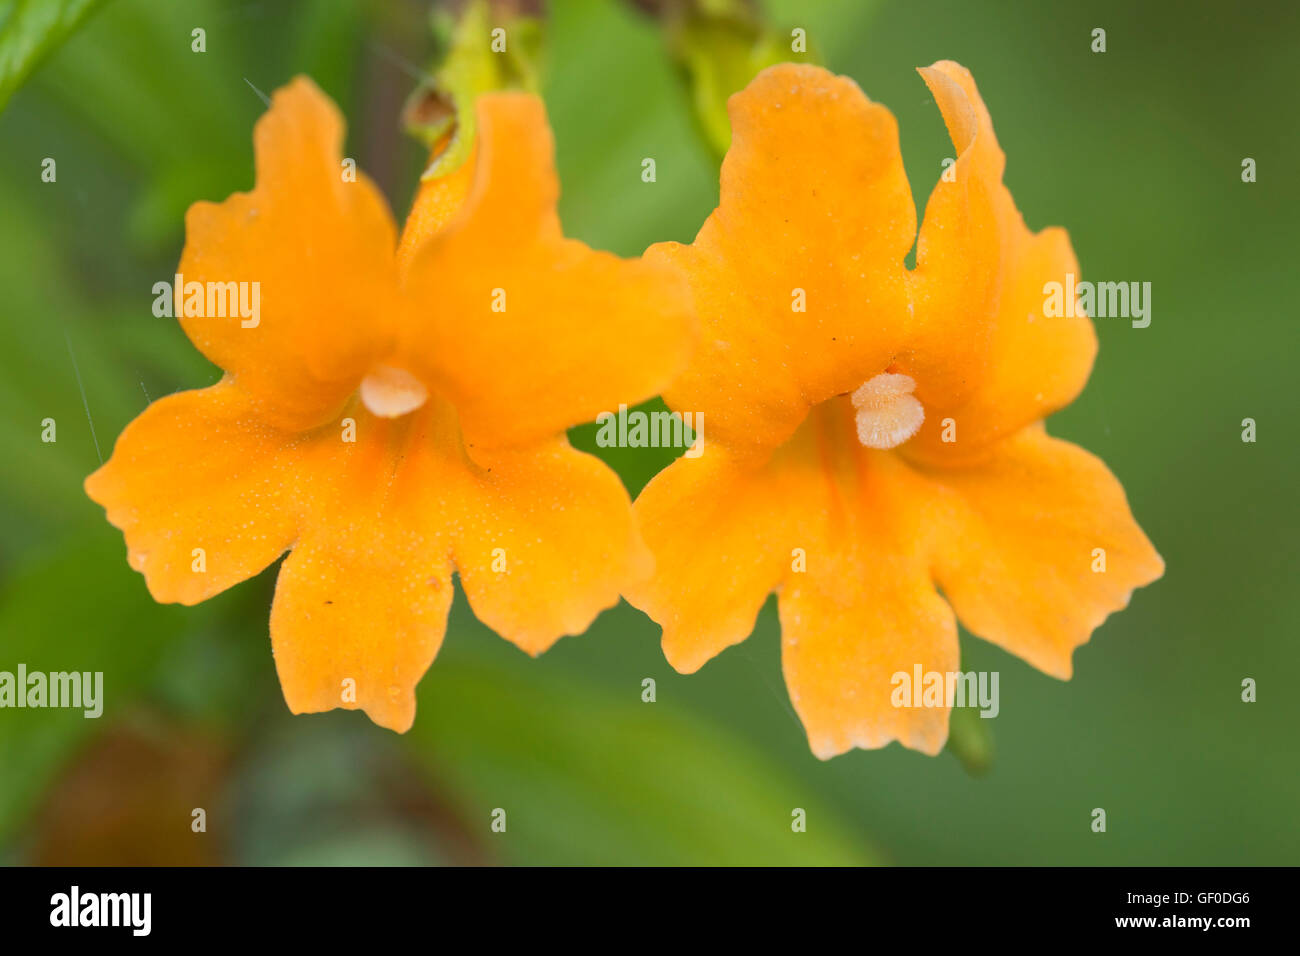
[[1136, 151]]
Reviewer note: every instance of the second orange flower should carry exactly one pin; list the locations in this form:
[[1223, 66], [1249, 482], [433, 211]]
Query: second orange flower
[[877, 431]]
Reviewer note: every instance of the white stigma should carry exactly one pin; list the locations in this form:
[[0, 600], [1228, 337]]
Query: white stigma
[[391, 392], [888, 414]]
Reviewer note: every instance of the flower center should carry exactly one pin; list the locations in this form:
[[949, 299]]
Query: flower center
[[391, 392], [888, 414]]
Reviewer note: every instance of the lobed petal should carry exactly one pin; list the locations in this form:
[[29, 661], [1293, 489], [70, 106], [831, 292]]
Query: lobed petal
[[867, 613], [359, 614], [321, 248], [363, 598], [544, 542], [438, 201], [815, 210], [865, 609], [985, 355], [1018, 553], [724, 534], [529, 333], [200, 470]]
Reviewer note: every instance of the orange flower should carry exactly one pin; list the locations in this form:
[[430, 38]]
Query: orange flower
[[833, 475], [397, 411]]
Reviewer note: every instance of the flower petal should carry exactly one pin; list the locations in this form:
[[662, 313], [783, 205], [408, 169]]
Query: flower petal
[[319, 245], [198, 470], [359, 614], [985, 355], [361, 605], [1017, 558], [545, 541], [815, 213], [527, 332], [865, 611], [724, 534], [438, 201]]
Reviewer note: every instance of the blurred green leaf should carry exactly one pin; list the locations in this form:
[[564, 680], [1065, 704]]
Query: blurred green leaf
[[54, 349], [586, 777], [329, 791], [29, 30], [83, 609], [603, 141]]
